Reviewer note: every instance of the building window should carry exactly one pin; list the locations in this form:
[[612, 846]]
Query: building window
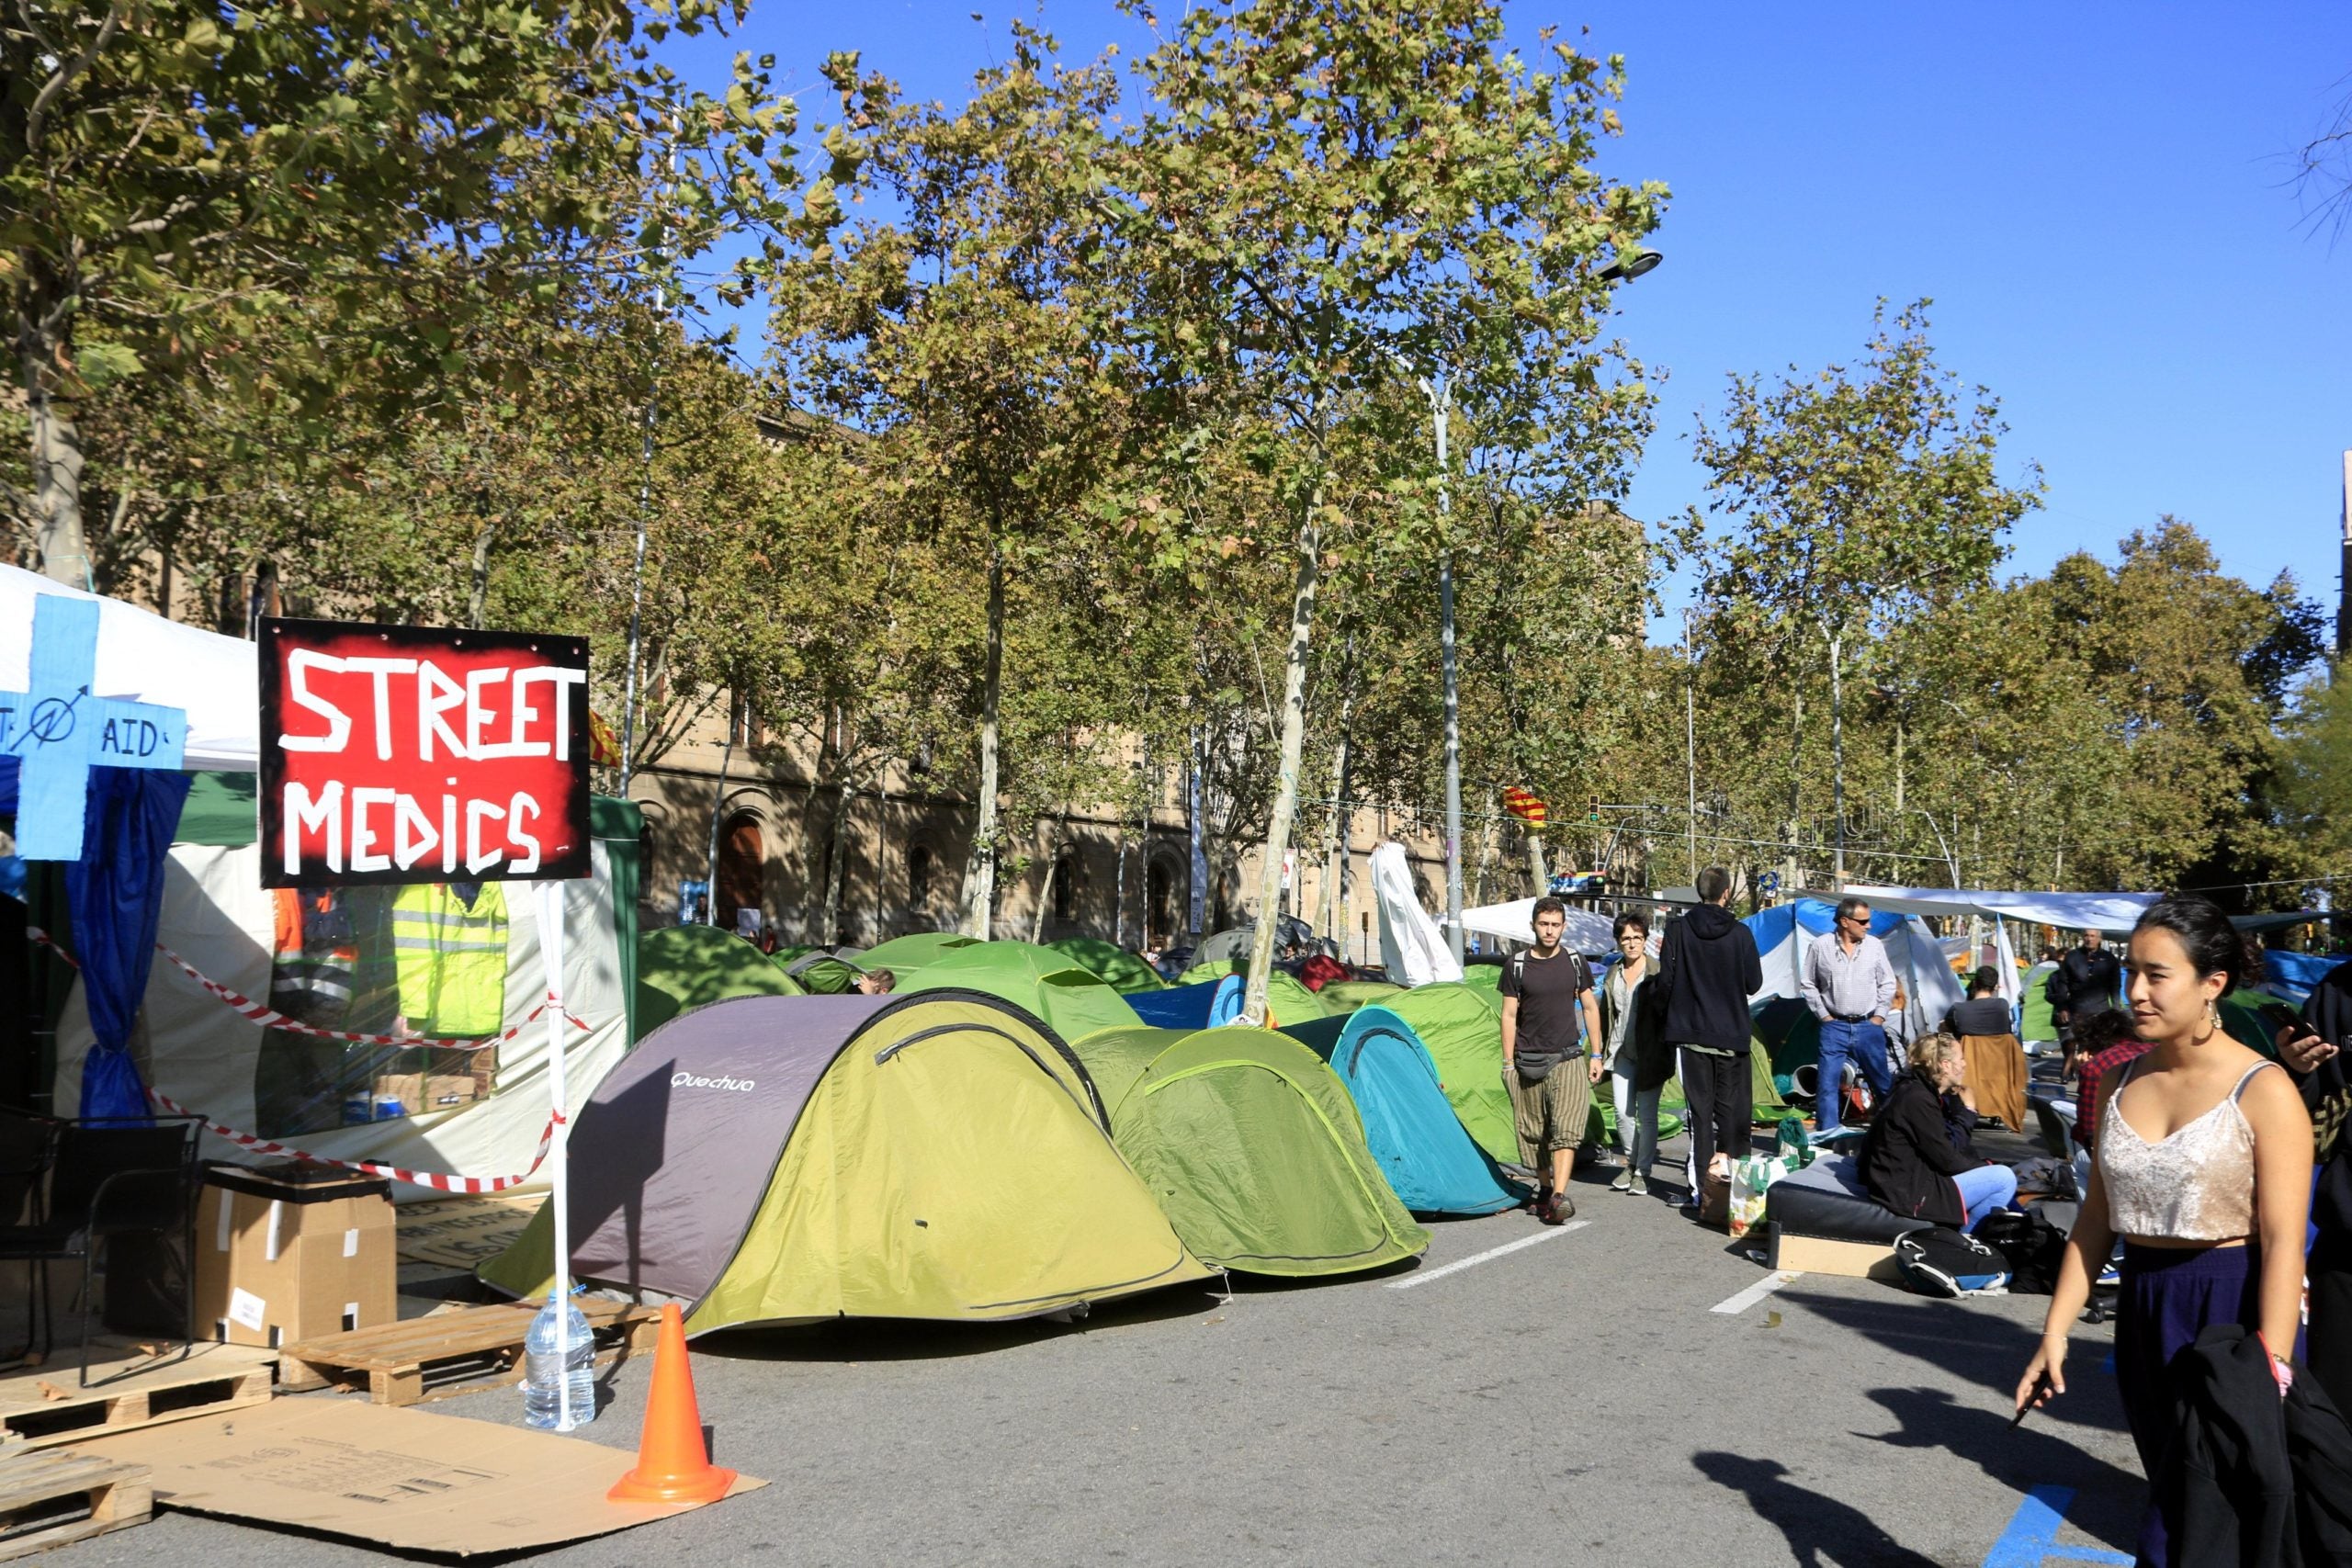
[[1065, 887], [919, 879]]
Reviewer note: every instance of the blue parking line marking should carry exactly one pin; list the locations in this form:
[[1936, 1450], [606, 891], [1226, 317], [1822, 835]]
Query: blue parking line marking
[[2031, 1539]]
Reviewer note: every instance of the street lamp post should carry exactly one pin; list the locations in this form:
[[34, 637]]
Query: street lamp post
[[1439, 390]]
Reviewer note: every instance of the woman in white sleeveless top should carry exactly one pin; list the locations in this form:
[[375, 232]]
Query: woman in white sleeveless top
[[2204, 1168]]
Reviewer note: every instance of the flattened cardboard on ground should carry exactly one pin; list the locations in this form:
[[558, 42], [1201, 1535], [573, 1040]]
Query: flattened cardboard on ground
[[398, 1477], [461, 1231]]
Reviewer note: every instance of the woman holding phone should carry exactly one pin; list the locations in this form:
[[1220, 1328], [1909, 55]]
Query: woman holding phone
[[2203, 1167]]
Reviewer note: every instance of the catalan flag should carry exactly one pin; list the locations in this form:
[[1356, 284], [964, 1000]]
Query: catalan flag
[[1527, 808]]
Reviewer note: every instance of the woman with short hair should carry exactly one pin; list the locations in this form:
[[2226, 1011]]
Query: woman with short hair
[[2203, 1166], [1639, 1060]]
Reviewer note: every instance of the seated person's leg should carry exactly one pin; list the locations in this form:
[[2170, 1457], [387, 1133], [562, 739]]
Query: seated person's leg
[[1985, 1189]]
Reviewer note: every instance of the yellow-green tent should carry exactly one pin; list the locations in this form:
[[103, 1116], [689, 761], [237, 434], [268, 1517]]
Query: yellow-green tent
[[1253, 1148], [681, 967], [789, 1159]]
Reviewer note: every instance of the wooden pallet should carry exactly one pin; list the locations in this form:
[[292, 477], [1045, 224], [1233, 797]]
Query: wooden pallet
[[451, 1353], [48, 1498], [128, 1390]]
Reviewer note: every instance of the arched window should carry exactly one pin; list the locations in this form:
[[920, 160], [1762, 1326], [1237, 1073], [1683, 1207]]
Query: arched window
[[742, 868], [917, 879], [1160, 922], [1065, 887]]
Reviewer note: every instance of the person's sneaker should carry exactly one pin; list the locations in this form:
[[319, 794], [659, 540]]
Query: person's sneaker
[[1640, 1186], [1625, 1183]]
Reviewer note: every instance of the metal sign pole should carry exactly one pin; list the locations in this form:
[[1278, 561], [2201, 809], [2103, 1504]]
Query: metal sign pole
[[559, 1177]]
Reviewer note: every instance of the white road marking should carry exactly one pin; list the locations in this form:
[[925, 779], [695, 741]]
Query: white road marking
[[1757, 1292], [1488, 1256]]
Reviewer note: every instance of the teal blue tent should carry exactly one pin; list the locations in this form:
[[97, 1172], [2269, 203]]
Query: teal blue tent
[[1434, 1165]]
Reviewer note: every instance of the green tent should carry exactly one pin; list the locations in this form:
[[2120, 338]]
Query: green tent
[[1343, 997], [774, 1160], [1485, 977], [1125, 971], [679, 967], [1287, 999], [2033, 1002], [1463, 1027], [1253, 1148], [817, 971], [1071, 1001], [902, 954]]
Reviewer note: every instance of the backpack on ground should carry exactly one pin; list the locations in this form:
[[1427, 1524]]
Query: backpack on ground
[[1943, 1262], [2029, 1244]]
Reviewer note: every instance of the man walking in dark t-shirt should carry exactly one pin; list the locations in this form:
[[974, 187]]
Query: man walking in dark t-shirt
[[1550, 1017]]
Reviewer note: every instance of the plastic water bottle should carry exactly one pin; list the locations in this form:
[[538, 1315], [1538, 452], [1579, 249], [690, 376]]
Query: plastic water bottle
[[542, 1375]]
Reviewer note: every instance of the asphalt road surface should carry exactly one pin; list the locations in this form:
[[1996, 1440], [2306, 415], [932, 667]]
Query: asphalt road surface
[[1578, 1399]]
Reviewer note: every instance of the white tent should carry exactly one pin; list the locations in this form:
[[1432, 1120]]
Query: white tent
[[145, 658], [1587, 933], [1931, 990], [2116, 912], [1410, 944]]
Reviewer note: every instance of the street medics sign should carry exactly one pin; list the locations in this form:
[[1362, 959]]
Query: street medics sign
[[402, 754]]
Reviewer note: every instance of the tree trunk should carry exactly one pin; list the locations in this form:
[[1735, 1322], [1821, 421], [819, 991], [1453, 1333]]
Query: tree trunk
[[477, 600], [1838, 753], [979, 867], [717, 809], [1796, 774], [56, 464], [1335, 844], [829, 914], [1045, 898], [1535, 861], [1286, 807]]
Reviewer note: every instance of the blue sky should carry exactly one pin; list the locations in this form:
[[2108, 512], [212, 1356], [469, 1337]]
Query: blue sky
[[2099, 198]]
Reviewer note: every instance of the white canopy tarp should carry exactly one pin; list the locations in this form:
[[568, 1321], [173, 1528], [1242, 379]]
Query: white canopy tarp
[[145, 658], [1410, 944], [1587, 933], [202, 1053], [2116, 912]]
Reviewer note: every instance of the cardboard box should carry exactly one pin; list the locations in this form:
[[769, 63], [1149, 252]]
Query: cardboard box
[[419, 1093], [286, 1253], [1819, 1254]]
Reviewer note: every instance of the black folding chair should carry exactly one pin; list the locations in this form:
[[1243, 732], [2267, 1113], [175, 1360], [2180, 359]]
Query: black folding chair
[[27, 1142], [105, 1179]]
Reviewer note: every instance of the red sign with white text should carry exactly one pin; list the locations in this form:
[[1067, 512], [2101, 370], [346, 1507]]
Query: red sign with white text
[[397, 754]]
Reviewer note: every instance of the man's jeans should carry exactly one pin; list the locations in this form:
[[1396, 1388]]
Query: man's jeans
[[1983, 1190], [1865, 1044]]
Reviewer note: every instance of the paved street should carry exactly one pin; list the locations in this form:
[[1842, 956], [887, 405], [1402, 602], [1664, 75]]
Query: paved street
[[1575, 1400]]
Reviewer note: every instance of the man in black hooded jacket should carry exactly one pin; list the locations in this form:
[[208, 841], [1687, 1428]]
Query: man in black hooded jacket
[[1708, 967]]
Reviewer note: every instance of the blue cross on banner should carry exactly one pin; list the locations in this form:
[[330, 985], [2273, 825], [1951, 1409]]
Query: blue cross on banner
[[58, 732]]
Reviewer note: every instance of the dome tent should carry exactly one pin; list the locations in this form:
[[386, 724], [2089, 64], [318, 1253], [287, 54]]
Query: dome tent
[[683, 967], [1200, 1005], [1287, 999], [912, 951], [1253, 1149], [1072, 1001], [1124, 971], [1343, 997], [1434, 1166], [1461, 1026], [775, 1160]]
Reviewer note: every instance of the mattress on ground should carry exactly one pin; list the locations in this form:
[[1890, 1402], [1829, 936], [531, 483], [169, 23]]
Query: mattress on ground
[[1827, 1199]]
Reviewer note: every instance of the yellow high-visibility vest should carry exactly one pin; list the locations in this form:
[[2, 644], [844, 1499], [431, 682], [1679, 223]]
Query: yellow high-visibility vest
[[451, 960]]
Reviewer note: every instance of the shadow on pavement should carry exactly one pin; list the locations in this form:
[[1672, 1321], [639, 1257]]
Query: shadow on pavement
[[2020, 1457], [909, 1339], [1977, 1348], [1821, 1531]]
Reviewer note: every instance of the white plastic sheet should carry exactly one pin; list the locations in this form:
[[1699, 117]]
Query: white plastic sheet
[[1411, 945]]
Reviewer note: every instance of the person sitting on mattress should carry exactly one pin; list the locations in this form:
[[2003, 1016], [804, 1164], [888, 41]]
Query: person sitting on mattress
[[1913, 1163]]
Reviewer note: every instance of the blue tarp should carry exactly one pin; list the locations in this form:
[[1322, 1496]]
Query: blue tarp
[[114, 895], [1435, 1167], [2294, 975], [1204, 1005]]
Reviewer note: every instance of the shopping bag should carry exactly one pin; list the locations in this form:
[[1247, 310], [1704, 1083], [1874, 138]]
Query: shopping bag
[[1749, 1179]]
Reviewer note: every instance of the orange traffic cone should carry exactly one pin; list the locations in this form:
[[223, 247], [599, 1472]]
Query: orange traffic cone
[[672, 1465]]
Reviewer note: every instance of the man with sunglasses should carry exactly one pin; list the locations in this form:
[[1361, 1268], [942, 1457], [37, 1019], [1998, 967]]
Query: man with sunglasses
[[1849, 983]]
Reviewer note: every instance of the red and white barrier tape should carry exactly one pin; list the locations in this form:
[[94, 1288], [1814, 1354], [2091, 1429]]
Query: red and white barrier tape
[[270, 1018], [432, 1178]]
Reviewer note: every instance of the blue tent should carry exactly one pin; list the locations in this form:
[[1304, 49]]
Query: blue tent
[[2294, 975], [1435, 1167], [1204, 1005]]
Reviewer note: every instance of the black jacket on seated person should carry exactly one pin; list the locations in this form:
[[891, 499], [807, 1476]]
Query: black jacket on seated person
[[1909, 1160]]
